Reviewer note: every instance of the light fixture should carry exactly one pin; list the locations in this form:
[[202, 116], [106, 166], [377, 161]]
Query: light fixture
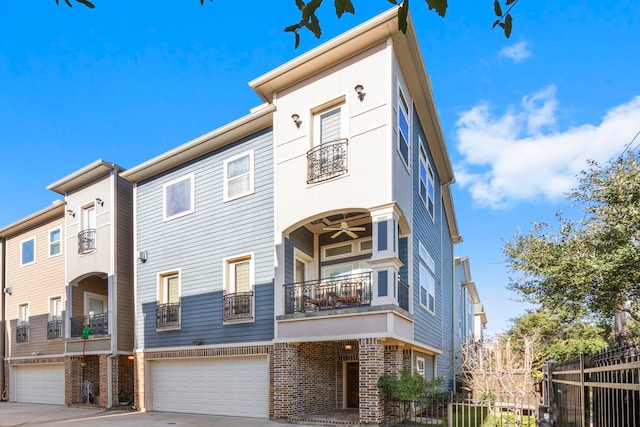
[[99, 201], [296, 119], [131, 357], [197, 342], [8, 291], [71, 213], [35, 353], [360, 91], [348, 347], [143, 256]]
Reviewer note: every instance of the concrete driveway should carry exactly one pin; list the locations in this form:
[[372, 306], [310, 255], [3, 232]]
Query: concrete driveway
[[23, 414]]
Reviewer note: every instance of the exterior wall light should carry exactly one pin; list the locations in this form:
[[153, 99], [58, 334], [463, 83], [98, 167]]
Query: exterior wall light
[[99, 201], [360, 91], [71, 213], [296, 120]]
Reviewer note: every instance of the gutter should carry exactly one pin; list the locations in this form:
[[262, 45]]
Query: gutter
[[3, 247]]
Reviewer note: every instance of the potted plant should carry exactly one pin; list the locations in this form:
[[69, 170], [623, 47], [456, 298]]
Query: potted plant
[[124, 398]]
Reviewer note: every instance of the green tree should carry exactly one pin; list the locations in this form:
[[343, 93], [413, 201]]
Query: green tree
[[587, 264], [309, 20]]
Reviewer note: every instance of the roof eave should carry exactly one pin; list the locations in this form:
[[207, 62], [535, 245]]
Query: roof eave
[[56, 210]]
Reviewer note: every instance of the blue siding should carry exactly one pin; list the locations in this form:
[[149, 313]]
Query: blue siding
[[197, 244], [433, 330]]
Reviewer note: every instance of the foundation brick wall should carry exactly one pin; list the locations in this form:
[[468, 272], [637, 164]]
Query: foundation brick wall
[[317, 380], [371, 355], [393, 359], [407, 360]]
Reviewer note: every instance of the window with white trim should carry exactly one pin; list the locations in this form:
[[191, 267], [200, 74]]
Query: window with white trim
[[404, 129], [22, 327], [178, 197], [168, 308], [420, 366], [327, 126], [238, 176], [28, 252], [238, 298], [55, 242], [427, 280], [427, 189], [54, 326]]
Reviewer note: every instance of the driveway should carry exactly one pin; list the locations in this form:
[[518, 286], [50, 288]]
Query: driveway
[[24, 414]]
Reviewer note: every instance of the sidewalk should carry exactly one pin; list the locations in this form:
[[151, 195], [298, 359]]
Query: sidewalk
[[23, 414]]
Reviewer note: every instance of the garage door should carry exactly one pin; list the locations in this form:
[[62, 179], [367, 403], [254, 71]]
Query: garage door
[[233, 386], [39, 384]]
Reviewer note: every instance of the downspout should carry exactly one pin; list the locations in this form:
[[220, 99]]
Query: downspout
[[3, 285]]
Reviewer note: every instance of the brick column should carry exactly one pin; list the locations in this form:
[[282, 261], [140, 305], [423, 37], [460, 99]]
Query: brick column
[[371, 355], [138, 380], [285, 368], [393, 362], [407, 360], [104, 381]]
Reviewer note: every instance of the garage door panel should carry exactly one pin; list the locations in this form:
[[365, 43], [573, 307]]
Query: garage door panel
[[39, 384], [219, 386]]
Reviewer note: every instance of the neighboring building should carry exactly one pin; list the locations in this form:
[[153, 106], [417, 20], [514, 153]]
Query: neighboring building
[[99, 319], [34, 295], [204, 279], [470, 318]]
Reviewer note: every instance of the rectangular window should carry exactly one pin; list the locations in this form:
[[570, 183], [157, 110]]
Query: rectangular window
[[22, 328], [54, 326], [328, 125], [238, 297], [427, 280], [179, 197], [366, 246], [168, 308], [238, 176], [55, 242], [28, 251], [403, 127], [420, 366], [427, 188], [336, 251]]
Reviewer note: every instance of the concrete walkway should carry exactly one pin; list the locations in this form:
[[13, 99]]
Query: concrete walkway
[[23, 414]]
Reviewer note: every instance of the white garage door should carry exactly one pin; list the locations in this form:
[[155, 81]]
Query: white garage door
[[233, 386], [39, 384]]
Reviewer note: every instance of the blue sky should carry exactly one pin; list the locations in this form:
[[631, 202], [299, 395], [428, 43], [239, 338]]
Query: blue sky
[[130, 80]]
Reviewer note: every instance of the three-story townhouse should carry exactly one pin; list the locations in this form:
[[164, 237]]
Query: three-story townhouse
[[204, 215], [34, 298], [99, 321]]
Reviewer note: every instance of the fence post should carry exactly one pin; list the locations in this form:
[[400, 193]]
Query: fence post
[[549, 398], [585, 362]]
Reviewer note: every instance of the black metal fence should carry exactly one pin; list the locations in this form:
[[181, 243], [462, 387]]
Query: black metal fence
[[98, 325], [54, 329], [168, 315], [601, 390], [238, 305], [86, 241], [457, 411], [327, 161]]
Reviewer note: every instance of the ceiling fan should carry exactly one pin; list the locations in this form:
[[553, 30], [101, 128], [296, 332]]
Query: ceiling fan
[[344, 228]]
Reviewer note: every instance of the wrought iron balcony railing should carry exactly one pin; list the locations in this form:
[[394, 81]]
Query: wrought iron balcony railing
[[168, 315], [403, 294], [327, 161], [54, 329], [98, 324], [22, 332], [345, 291], [237, 306], [86, 241]]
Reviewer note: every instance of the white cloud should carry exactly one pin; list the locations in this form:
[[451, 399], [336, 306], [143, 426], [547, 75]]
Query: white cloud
[[517, 52], [522, 156]]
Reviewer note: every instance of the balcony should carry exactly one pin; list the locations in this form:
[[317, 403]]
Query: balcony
[[346, 291], [168, 315], [237, 306], [327, 161], [86, 241], [22, 333], [54, 329], [98, 324]]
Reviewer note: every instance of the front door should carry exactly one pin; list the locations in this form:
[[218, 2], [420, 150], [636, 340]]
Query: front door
[[353, 385]]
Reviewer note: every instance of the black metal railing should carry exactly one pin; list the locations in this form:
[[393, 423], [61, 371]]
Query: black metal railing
[[98, 325], [168, 315], [237, 306], [353, 290], [22, 332], [87, 241], [327, 161], [403, 294], [54, 329]]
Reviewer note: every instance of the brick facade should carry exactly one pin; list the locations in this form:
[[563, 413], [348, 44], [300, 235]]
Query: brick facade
[[371, 355]]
